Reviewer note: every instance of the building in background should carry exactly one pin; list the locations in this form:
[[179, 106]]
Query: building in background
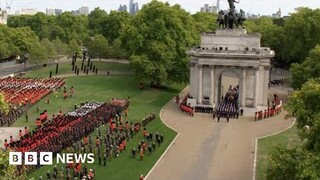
[[130, 6], [133, 7], [57, 11], [209, 9], [50, 11], [28, 11], [3, 16], [277, 14], [123, 8], [253, 16], [84, 11]]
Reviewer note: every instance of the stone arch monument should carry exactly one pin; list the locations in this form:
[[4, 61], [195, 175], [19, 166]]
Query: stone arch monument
[[230, 50]]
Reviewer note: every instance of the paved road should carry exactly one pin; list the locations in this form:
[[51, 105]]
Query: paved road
[[208, 150]]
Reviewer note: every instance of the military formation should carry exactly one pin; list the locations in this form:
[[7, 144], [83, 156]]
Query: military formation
[[22, 93], [229, 107], [94, 127]]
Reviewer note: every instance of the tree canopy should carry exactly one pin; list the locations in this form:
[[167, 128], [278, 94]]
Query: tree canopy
[[158, 38], [205, 22], [98, 46], [302, 162], [309, 68], [291, 38], [301, 32]]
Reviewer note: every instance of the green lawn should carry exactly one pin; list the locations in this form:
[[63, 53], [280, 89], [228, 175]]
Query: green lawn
[[102, 88], [66, 68], [288, 139]]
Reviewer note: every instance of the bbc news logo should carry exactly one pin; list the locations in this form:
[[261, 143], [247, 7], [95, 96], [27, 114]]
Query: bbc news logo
[[46, 158]]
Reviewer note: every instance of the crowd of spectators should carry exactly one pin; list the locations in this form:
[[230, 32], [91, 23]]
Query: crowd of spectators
[[22, 93]]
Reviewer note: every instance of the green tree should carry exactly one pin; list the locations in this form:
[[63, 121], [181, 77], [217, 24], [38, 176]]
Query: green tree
[[74, 47], [74, 27], [160, 35], [309, 68], [65, 26], [23, 38], [98, 47], [4, 50], [205, 22], [272, 36], [7, 171], [38, 54], [305, 107], [302, 162], [62, 49], [16, 41], [293, 164], [96, 19], [112, 26], [50, 48], [116, 50], [301, 32]]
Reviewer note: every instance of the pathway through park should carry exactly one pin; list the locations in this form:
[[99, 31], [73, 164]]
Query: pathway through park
[[208, 150]]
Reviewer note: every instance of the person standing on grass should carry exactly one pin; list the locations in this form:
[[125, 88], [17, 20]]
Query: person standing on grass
[[141, 154], [65, 95], [27, 117], [133, 152], [71, 91]]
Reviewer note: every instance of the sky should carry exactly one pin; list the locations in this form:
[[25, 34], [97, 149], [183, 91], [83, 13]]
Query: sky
[[262, 7]]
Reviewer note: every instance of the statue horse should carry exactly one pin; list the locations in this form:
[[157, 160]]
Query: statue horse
[[240, 19]]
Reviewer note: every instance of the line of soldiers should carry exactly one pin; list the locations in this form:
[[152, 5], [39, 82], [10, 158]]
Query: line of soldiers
[[150, 117], [277, 82], [203, 109], [187, 109], [22, 93]]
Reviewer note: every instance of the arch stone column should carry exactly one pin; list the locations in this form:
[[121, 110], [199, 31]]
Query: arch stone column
[[256, 86], [243, 87], [200, 84], [212, 85], [266, 84]]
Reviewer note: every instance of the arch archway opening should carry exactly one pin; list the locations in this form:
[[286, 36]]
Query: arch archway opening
[[228, 101]]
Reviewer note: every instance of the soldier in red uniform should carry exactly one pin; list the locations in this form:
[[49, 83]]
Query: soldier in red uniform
[[65, 95], [20, 133], [141, 177], [5, 144]]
